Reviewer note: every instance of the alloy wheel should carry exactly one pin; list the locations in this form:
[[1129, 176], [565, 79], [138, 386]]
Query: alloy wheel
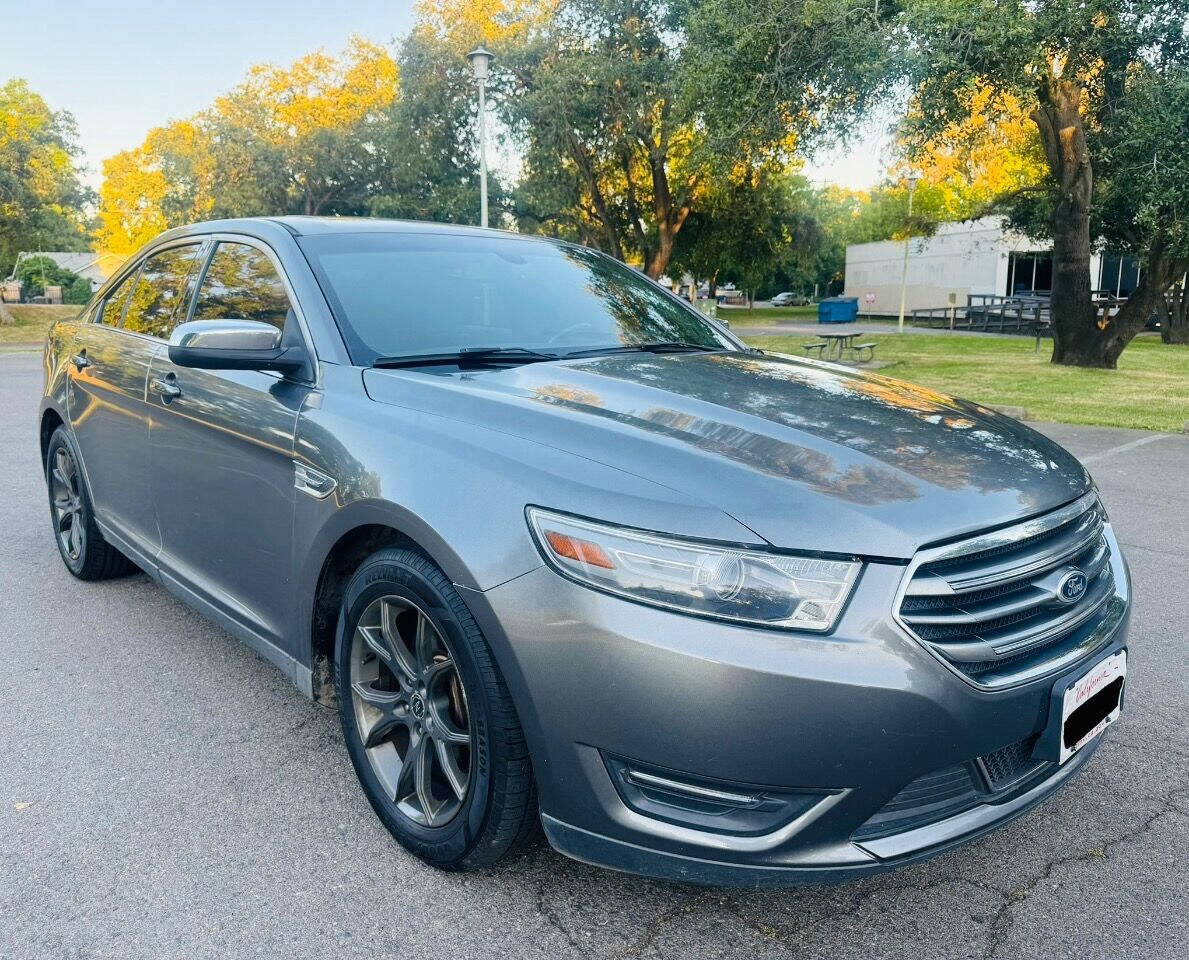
[[66, 490], [411, 710]]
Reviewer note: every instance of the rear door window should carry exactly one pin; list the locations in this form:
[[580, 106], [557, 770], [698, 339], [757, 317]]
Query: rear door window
[[241, 283], [160, 291]]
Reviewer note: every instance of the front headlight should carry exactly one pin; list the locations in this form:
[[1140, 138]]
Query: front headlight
[[748, 586]]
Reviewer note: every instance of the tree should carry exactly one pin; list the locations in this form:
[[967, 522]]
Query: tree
[[37, 273], [168, 180], [464, 24], [1142, 194], [77, 292], [752, 228], [41, 195], [1074, 66], [427, 144], [810, 68], [316, 121], [611, 152], [989, 150], [300, 139]]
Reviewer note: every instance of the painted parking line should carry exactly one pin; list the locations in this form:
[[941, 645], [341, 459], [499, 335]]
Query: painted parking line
[[1124, 447]]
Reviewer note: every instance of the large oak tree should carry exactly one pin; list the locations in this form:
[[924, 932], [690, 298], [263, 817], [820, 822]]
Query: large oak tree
[[1089, 72]]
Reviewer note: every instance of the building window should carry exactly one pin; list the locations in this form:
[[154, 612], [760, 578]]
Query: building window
[[1029, 274], [1118, 275]]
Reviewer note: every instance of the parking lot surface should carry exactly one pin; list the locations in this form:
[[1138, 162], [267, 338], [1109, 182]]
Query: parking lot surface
[[166, 793]]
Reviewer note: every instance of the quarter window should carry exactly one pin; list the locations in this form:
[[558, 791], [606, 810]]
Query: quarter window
[[160, 290], [117, 300], [241, 283]]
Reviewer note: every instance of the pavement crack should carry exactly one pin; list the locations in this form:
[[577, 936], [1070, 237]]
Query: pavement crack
[[551, 917], [789, 940], [663, 919], [1003, 921]]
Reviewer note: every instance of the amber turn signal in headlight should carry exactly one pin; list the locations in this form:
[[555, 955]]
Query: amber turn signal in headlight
[[749, 586]]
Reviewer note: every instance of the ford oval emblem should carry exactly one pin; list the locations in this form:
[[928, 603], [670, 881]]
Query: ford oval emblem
[[1072, 586]]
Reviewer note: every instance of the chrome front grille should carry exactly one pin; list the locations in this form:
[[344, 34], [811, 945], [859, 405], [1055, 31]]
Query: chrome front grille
[[998, 607]]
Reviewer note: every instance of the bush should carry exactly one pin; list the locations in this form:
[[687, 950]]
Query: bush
[[78, 291], [36, 273]]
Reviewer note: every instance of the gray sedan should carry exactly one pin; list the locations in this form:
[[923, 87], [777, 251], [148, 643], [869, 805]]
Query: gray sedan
[[566, 553]]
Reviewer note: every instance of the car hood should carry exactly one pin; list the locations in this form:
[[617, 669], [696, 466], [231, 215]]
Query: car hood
[[809, 455]]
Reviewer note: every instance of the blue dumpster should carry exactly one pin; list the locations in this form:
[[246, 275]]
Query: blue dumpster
[[838, 310]]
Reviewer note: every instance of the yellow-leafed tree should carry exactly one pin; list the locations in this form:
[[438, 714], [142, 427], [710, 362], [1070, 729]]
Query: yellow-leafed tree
[[990, 154], [168, 180], [290, 139], [493, 23]]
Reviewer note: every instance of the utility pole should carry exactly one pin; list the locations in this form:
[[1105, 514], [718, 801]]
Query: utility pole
[[913, 177]]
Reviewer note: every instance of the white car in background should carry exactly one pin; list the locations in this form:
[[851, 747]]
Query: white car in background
[[787, 299]]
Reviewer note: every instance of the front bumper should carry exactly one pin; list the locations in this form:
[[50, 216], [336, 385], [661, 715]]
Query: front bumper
[[844, 721]]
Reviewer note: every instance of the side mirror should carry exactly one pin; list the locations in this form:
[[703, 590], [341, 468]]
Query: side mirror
[[233, 345]]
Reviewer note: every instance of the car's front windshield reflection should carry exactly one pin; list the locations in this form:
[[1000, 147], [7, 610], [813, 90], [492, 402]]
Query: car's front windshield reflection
[[400, 294]]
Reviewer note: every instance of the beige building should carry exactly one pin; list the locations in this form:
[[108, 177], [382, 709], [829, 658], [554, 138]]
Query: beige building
[[972, 257]]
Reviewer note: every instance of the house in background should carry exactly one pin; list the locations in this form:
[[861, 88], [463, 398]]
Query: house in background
[[95, 267], [980, 257]]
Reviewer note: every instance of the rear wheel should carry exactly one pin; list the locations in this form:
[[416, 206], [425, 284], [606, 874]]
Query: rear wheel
[[84, 551], [430, 726]]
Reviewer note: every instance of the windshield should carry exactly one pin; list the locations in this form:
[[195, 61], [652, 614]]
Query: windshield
[[402, 294]]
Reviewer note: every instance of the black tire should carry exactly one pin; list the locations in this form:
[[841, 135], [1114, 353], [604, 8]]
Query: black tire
[[496, 814], [80, 542]]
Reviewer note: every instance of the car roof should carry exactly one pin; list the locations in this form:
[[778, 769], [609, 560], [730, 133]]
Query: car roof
[[300, 226]]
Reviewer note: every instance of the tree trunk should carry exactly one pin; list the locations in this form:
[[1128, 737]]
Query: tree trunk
[[1159, 273], [712, 285], [1174, 314], [1077, 338], [657, 260]]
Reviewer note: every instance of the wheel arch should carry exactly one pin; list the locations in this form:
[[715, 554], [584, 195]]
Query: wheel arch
[[354, 533], [51, 419]]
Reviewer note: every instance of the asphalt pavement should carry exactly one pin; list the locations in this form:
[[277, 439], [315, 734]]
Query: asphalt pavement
[[165, 793]]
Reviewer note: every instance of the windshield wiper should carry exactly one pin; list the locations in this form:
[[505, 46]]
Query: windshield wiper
[[466, 357], [651, 346]]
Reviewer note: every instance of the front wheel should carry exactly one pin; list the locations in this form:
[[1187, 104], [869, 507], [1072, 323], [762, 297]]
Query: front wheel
[[429, 724]]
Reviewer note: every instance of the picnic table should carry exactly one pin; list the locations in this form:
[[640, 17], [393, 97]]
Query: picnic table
[[834, 345], [840, 342]]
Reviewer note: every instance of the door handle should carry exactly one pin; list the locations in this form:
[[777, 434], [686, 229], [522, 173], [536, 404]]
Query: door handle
[[165, 387], [80, 360]]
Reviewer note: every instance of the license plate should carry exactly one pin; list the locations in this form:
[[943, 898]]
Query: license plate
[[1092, 703]]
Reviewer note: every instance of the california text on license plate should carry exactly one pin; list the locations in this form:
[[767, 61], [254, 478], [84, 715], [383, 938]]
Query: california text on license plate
[[1092, 703]]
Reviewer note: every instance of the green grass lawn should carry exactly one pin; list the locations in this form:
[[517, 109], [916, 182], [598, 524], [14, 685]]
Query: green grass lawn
[[1149, 391], [31, 321], [760, 316]]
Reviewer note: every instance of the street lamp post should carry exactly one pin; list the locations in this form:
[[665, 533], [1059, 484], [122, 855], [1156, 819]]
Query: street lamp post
[[913, 178], [480, 60]]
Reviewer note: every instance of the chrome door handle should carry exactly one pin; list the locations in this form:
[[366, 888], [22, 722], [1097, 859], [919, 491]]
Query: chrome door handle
[[80, 360], [167, 389]]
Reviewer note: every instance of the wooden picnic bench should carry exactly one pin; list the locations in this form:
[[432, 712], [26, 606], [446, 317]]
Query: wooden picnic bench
[[858, 348], [819, 346]]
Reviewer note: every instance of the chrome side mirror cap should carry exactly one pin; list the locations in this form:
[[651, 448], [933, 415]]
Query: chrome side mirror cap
[[226, 335], [232, 344]]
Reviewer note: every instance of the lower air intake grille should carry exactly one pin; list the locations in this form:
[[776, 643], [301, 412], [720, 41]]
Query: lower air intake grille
[[949, 791], [926, 800], [1010, 765]]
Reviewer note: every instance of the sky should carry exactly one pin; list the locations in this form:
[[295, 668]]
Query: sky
[[127, 66]]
